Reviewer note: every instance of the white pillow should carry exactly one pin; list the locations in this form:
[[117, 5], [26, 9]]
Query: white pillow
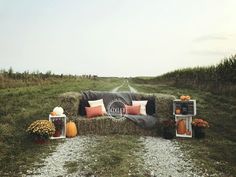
[[143, 104], [98, 103]]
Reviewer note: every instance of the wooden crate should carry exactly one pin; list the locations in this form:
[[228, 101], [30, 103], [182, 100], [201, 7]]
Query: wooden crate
[[191, 107], [63, 129], [188, 124]]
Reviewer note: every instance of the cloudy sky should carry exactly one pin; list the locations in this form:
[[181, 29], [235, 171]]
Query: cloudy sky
[[115, 37]]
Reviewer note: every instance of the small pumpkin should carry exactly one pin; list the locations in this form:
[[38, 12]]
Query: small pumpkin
[[181, 127], [182, 97], [187, 97], [177, 111], [71, 130], [58, 110], [53, 113], [188, 132]]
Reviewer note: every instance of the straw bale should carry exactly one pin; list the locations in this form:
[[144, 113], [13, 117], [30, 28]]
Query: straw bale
[[106, 125], [69, 101]]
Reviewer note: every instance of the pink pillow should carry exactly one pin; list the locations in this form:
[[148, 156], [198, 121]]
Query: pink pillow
[[133, 110], [93, 111]]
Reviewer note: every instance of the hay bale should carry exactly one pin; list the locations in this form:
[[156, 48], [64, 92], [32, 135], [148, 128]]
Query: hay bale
[[105, 126], [69, 101], [164, 106]]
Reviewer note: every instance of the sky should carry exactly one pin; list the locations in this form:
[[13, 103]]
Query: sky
[[115, 37]]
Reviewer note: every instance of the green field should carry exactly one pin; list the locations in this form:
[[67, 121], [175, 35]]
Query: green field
[[27, 101]]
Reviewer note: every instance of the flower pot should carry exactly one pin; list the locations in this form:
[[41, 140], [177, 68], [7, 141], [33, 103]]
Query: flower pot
[[199, 132], [168, 133], [57, 133], [39, 140]]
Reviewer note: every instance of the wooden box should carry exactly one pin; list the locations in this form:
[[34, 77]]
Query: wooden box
[[187, 108], [183, 126], [60, 125]]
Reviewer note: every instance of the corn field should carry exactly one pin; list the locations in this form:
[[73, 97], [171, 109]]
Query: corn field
[[220, 78]]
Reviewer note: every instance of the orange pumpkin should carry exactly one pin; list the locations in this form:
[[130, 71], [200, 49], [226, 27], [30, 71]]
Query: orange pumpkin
[[182, 97], [177, 111], [187, 97], [53, 113], [188, 132], [71, 130], [181, 127]]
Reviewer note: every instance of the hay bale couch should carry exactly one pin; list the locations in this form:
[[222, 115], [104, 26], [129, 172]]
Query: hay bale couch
[[159, 106]]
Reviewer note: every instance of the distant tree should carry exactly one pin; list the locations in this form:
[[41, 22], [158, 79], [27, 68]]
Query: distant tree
[[48, 74], [10, 72]]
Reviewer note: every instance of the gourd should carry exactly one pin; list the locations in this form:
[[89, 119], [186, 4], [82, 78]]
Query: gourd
[[181, 127], [188, 132], [185, 98], [177, 111], [58, 110], [71, 130], [182, 97], [53, 113]]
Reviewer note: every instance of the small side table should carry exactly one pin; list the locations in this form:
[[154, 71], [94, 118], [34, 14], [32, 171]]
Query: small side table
[[60, 126]]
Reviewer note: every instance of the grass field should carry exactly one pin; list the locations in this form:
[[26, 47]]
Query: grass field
[[20, 106]]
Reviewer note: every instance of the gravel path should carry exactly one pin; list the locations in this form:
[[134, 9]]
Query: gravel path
[[164, 158], [72, 150]]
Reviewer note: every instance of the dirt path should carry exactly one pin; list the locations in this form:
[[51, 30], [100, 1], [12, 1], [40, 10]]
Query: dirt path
[[164, 158], [126, 82], [161, 158], [117, 88], [132, 89], [59, 163]]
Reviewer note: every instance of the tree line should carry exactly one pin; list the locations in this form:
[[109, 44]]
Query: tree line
[[10, 79]]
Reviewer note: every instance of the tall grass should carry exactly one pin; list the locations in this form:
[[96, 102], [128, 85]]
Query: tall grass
[[220, 78]]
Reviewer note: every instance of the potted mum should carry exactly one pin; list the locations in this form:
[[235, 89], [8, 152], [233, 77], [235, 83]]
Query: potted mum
[[168, 128], [41, 131], [199, 126]]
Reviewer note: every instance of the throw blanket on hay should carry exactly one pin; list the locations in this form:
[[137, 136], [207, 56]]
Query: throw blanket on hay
[[143, 121]]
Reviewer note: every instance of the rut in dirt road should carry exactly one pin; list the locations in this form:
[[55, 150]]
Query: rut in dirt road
[[126, 82]]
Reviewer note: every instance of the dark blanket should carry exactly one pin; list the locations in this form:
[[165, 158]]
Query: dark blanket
[[126, 97], [143, 121]]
